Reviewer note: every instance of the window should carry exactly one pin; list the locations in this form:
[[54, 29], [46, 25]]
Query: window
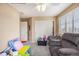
[[62, 24], [70, 22], [76, 20]]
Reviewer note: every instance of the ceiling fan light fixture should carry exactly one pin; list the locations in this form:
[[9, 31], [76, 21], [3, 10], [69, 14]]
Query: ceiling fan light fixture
[[41, 7], [38, 7]]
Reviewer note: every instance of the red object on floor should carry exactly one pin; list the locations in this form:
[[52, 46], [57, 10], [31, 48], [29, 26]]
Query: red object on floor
[[23, 41]]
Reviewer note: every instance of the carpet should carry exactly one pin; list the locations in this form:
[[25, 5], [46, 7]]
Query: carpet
[[40, 50]]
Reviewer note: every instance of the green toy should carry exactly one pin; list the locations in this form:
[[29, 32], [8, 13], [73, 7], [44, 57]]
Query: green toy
[[25, 51]]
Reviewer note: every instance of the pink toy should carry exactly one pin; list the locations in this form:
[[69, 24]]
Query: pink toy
[[18, 45]]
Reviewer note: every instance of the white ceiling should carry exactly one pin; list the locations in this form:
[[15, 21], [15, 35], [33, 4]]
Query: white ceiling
[[29, 9]]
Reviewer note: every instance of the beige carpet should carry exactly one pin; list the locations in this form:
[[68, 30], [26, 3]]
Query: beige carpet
[[40, 50]]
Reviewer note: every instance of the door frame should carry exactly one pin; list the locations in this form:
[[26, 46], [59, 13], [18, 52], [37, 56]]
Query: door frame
[[24, 20]]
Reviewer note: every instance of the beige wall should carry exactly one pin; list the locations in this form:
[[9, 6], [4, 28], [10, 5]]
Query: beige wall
[[70, 8], [9, 24]]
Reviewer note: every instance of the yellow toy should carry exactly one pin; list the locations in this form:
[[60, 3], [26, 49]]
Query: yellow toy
[[25, 51]]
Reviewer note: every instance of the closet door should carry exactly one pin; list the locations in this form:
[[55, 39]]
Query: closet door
[[43, 27], [24, 31]]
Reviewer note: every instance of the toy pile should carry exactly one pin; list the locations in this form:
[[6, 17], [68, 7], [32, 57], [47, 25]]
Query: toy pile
[[16, 48]]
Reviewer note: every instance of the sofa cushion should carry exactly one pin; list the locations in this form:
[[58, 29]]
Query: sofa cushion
[[68, 51], [77, 40], [67, 44], [66, 36], [71, 37], [53, 50], [55, 42]]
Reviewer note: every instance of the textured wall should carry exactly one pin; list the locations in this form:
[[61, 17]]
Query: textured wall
[[9, 24]]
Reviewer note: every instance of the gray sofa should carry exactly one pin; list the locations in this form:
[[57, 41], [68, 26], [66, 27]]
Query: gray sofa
[[69, 45]]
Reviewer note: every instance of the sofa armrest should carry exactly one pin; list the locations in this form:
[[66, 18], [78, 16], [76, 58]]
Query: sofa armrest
[[77, 54]]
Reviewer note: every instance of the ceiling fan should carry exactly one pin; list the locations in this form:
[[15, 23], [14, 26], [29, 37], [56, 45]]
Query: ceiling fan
[[42, 6]]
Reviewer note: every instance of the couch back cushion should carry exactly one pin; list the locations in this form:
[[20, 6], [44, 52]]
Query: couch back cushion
[[72, 38], [67, 44]]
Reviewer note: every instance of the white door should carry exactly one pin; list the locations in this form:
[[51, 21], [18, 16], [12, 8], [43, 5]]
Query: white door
[[43, 27], [24, 31]]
